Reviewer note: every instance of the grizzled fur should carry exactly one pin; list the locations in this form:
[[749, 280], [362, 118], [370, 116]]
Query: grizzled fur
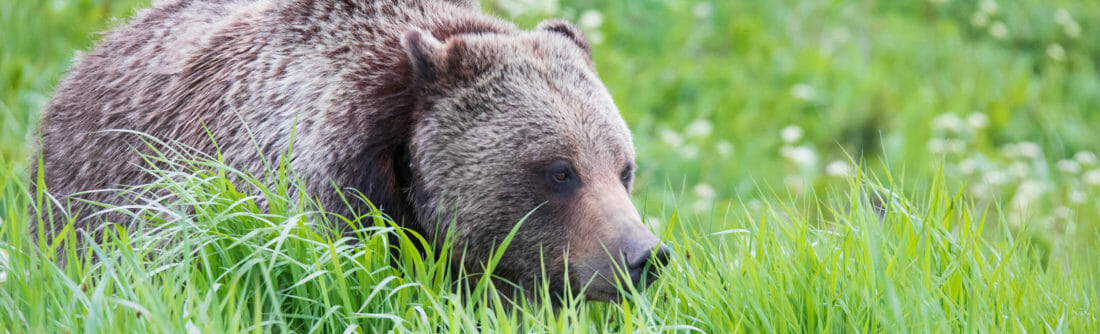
[[432, 109]]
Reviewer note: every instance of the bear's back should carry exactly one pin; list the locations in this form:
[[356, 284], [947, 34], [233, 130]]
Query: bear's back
[[248, 74]]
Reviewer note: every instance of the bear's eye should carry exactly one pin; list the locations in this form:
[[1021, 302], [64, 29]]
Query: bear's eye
[[627, 173], [561, 176]]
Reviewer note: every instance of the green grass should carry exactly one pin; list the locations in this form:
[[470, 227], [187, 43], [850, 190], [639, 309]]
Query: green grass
[[976, 207]]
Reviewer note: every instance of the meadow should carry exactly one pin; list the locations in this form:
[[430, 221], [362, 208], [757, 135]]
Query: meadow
[[817, 165]]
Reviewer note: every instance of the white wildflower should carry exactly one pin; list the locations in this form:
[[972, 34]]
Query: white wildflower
[[1063, 213], [968, 166], [1063, 17], [1026, 195], [702, 10], [590, 20], [755, 205], [1029, 150], [1019, 170], [1069, 166], [595, 37], [705, 191], [1016, 218], [1077, 197], [1069, 25], [839, 168], [689, 151], [699, 128], [59, 5], [1092, 178], [1072, 30], [795, 183], [791, 134], [1011, 151], [803, 91], [702, 206], [1056, 52], [977, 120], [1085, 158], [802, 156], [996, 177], [980, 190], [955, 146], [724, 148], [988, 6], [937, 146], [672, 138], [979, 19], [515, 8], [998, 30], [947, 122]]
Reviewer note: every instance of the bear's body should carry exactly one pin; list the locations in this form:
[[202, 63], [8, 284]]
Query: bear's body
[[429, 108], [238, 70]]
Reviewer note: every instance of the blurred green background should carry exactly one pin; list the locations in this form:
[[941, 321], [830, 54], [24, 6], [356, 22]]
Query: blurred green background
[[733, 101], [711, 87], [740, 106]]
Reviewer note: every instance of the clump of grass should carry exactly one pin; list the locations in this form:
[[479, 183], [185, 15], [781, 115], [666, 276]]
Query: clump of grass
[[218, 250], [211, 248], [875, 260], [215, 249], [217, 253]]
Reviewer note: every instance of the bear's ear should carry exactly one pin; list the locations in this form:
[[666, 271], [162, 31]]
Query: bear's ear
[[426, 54], [569, 31]]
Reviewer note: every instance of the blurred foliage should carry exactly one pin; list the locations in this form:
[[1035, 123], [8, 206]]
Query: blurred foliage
[[861, 80], [708, 87], [749, 109]]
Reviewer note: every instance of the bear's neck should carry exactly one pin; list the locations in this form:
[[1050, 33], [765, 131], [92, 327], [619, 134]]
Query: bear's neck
[[361, 39]]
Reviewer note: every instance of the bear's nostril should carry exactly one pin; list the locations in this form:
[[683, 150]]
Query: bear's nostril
[[653, 258], [660, 257], [644, 268]]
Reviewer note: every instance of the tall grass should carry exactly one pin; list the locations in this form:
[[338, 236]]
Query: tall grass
[[219, 250], [976, 208]]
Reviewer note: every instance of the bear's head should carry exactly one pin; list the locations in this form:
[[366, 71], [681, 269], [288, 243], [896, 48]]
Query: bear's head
[[517, 127]]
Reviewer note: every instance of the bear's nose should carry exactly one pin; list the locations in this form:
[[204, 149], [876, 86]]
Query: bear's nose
[[646, 265]]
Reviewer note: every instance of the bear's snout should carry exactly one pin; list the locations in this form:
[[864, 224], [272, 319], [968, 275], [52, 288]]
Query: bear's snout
[[643, 267], [615, 247], [641, 254]]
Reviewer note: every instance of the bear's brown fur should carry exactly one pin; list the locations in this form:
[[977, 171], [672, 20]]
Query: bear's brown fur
[[431, 109]]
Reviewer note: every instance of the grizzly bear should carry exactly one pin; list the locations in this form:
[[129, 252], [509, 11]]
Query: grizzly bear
[[443, 117]]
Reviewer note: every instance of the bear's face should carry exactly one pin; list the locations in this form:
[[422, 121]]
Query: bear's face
[[518, 127]]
